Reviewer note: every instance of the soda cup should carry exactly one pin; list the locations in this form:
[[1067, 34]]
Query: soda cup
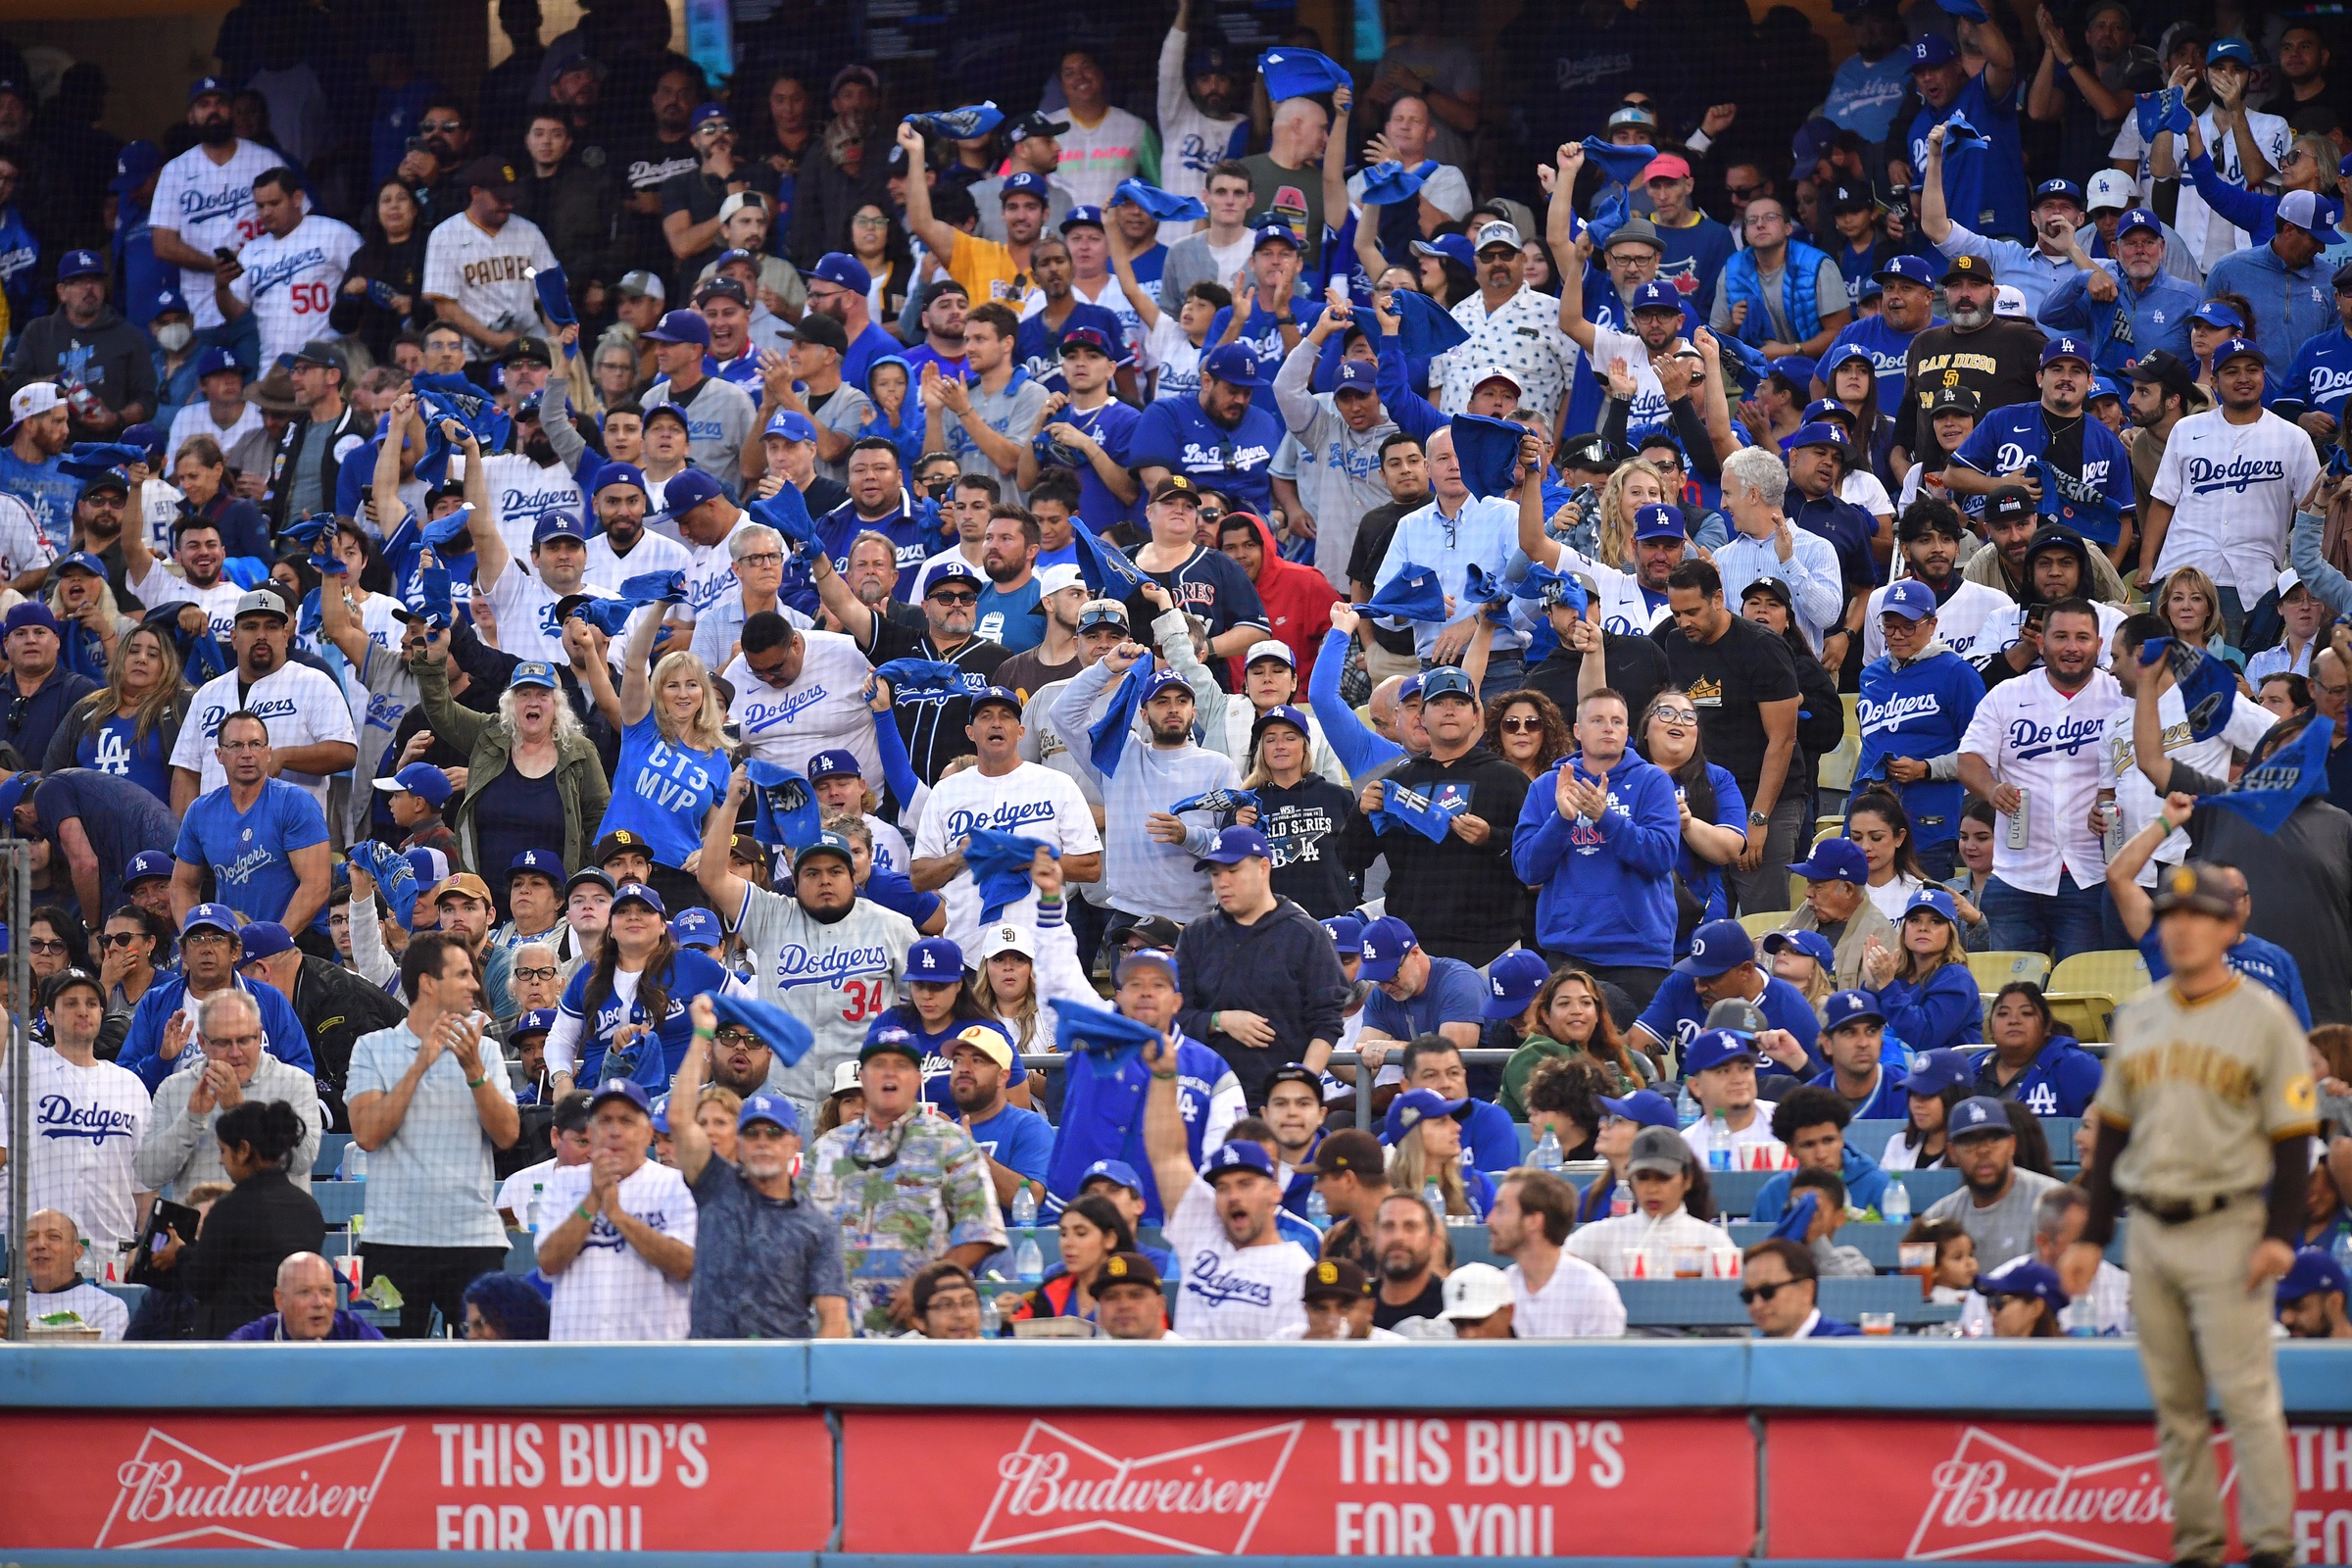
[[1918, 1257]]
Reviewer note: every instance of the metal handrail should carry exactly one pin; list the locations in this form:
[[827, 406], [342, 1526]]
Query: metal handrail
[[1475, 1056]]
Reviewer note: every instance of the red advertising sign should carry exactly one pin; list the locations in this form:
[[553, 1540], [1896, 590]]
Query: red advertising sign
[[416, 1482], [1268, 1485], [2046, 1492]]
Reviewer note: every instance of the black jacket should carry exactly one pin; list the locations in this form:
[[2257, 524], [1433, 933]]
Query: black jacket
[[110, 356], [1463, 901], [351, 433], [336, 1006], [573, 208], [402, 267], [1281, 965], [231, 1268]]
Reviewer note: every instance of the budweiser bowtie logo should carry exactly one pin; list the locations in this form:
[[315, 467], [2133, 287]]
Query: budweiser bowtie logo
[[175, 1494], [1994, 1500], [1205, 1498]]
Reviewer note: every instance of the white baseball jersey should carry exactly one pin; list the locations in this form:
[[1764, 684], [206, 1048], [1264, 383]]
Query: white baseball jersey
[[1578, 1303], [300, 706], [710, 572], [526, 608], [2047, 745], [1031, 799], [158, 502], [1958, 620], [610, 1293], [651, 552], [519, 490], [219, 601], [290, 283], [23, 547], [1228, 1292], [1999, 632], [488, 273], [86, 1127], [835, 978], [822, 710], [210, 206], [2137, 798], [2233, 490]]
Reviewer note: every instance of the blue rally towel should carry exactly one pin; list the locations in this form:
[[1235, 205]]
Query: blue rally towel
[[1959, 135], [2208, 688], [1222, 801], [1107, 572], [1540, 583], [1080, 1028], [2086, 508], [1162, 205], [769, 1024], [1000, 866], [1489, 451], [786, 811], [921, 680], [787, 511], [895, 890], [429, 595], [2267, 793], [655, 587], [1392, 182], [1425, 328], [968, 124], [1298, 73], [1107, 737], [1799, 1219], [90, 459], [2163, 109], [453, 397], [1402, 806], [1968, 10], [554, 301], [395, 879], [1478, 584], [1624, 165], [1413, 594]]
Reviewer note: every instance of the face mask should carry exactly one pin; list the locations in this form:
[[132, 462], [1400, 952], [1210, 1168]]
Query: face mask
[[174, 337]]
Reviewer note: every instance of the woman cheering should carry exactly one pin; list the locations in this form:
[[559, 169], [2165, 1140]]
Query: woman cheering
[[675, 759], [630, 1006]]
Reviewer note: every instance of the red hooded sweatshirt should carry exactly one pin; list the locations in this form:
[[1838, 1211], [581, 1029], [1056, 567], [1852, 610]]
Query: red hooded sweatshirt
[[1297, 601]]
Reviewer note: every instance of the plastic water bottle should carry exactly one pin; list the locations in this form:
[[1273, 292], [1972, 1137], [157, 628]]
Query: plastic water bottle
[[1621, 1199], [1436, 1201], [1686, 1106], [1024, 1206], [2080, 1319], [1318, 1212], [354, 1165], [1547, 1153], [1028, 1262], [992, 1323], [1896, 1206], [536, 1215], [1718, 1129]]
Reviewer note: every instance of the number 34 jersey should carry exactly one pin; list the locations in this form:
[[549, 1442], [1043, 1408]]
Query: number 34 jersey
[[834, 978]]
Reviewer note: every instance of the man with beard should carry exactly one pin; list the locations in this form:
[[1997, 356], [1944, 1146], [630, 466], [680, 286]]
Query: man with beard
[[932, 725], [478, 264], [1008, 559], [822, 953], [625, 547], [989, 271], [319, 440], [2085, 455], [2010, 523], [467, 913], [299, 258], [203, 203], [836, 288], [2032, 271], [39, 431], [942, 320], [1654, 311], [1056, 656], [197, 549], [1906, 308], [1018, 1142], [86, 342], [1196, 121], [2057, 564], [2163, 392], [1928, 536], [763, 1260], [1974, 351], [2129, 307], [310, 723], [1405, 1243]]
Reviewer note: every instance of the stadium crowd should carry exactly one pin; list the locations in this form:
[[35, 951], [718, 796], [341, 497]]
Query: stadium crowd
[[757, 700]]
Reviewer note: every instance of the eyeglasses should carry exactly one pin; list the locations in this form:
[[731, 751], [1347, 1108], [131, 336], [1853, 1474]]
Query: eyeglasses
[[1521, 726], [869, 222], [1677, 715], [547, 973], [243, 746], [737, 1037], [1762, 1293], [953, 598], [766, 557], [428, 127]]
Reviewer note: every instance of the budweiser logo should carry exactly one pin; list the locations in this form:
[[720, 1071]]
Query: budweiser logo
[[1205, 1498], [175, 1494], [1993, 1498]]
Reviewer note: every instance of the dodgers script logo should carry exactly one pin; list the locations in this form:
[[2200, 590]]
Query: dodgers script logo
[[173, 1493], [57, 1117], [2029, 740], [796, 965], [286, 269], [213, 207], [1005, 817], [758, 715], [265, 710], [1889, 716], [2326, 383], [514, 502], [2205, 476], [1198, 459], [1222, 1288], [1205, 1498]]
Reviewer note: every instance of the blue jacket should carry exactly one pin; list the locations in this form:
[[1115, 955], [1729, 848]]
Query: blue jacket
[[283, 1034], [1800, 283], [1888, 1102], [1945, 1011], [1865, 1185], [2157, 319], [1918, 710], [2320, 379], [2059, 1081], [2265, 962], [1603, 890], [2288, 306], [2254, 210], [1675, 1014], [1102, 1116]]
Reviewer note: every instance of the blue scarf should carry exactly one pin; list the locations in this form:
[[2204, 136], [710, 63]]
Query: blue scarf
[[1425, 328], [787, 511], [968, 124], [1413, 594], [1291, 73], [2085, 508], [2208, 688], [1402, 806], [1225, 803], [921, 680], [453, 397], [1108, 574], [1166, 208]]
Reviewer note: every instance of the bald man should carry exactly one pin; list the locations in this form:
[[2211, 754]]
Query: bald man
[[53, 1286], [309, 1300]]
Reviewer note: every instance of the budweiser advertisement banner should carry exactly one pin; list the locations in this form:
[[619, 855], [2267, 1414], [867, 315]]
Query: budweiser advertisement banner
[[2045, 1492], [1268, 1485], [416, 1482]]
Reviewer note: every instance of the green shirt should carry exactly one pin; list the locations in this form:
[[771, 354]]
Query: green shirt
[[898, 1214]]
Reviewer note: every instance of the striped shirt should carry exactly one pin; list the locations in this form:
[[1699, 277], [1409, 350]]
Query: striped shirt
[[1578, 1303], [610, 1292]]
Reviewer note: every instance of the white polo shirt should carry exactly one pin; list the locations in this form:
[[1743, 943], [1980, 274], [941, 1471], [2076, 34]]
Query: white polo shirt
[[2048, 745]]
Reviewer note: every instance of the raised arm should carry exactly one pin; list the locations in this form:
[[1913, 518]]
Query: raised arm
[[636, 680], [938, 238], [690, 1146], [834, 594], [723, 887], [2131, 901], [1164, 1142], [1935, 220]]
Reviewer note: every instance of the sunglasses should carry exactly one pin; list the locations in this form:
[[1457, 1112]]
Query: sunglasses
[[46, 944], [1762, 1293], [952, 597], [123, 939], [1521, 726]]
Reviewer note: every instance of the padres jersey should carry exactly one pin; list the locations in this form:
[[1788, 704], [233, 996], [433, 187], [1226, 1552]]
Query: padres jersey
[[290, 283], [488, 273], [834, 978]]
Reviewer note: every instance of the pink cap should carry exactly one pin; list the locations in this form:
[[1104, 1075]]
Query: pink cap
[[1666, 166]]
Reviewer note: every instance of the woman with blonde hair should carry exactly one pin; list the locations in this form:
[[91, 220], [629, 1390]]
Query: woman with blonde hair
[[1636, 484], [130, 724], [715, 1111], [1926, 996], [674, 757], [91, 619], [2190, 607], [1424, 1135]]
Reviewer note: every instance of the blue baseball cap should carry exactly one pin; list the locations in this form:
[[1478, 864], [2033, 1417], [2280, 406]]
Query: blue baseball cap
[[1002, 696], [1025, 183], [1240, 1154], [1710, 1049], [2053, 189], [1082, 217], [774, 1110], [212, 916], [1354, 375], [1979, 1116], [659, 1113], [2237, 49], [697, 927], [2103, 386], [1936, 900], [1812, 944], [1658, 523], [207, 87], [1274, 233], [1233, 846], [1934, 1071], [621, 1089], [1656, 295], [133, 165], [144, 865], [703, 113], [423, 781], [642, 894], [1169, 679], [1512, 981], [211, 362], [832, 844], [1116, 1171], [613, 474], [1236, 364], [681, 326], [1834, 860], [1834, 360], [1907, 270], [1447, 680], [891, 1040], [1908, 598], [1797, 371], [79, 263], [1347, 931], [1450, 248], [1414, 1106], [538, 863], [1830, 408], [841, 270], [2066, 348], [1717, 948], [2024, 1275], [79, 560], [1163, 958], [935, 960], [2240, 348], [264, 939], [555, 523], [831, 764], [2138, 218], [1643, 1108], [1932, 50], [2213, 312], [1820, 433], [791, 425], [687, 490], [533, 672], [1086, 337], [1386, 942], [2313, 1271], [1846, 1007], [537, 1021]]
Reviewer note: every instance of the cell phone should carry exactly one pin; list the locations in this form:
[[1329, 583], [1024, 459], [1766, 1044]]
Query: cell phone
[[221, 253]]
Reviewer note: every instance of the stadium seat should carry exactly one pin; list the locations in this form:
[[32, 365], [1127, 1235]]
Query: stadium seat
[[1996, 969], [1764, 920], [1837, 771], [2085, 991]]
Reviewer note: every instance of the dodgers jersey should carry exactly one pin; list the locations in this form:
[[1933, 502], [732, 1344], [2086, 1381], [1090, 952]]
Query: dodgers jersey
[[290, 283], [835, 978]]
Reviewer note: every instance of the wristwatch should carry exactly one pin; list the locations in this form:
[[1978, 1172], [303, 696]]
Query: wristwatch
[[1758, 819]]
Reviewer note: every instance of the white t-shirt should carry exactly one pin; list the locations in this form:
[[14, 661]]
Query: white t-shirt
[[821, 711], [300, 706], [527, 613], [1232, 1293], [488, 275], [86, 1127], [290, 283], [610, 1292], [219, 601], [2048, 746], [210, 206], [196, 418], [1578, 1303], [1112, 297], [1033, 801], [1958, 620], [514, 1193], [1095, 158], [1605, 1243], [1700, 1134], [2233, 490], [835, 978], [1861, 488], [23, 545], [1891, 896], [102, 1311], [519, 490], [651, 552], [2137, 798]]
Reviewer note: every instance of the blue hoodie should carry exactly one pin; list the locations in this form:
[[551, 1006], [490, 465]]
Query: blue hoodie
[[2265, 962], [1865, 1185], [907, 433], [1918, 710], [2059, 1081], [283, 1034], [1604, 891], [1947, 1010]]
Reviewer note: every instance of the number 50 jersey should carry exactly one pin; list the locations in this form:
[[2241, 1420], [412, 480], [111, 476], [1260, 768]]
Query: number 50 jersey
[[834, 978]]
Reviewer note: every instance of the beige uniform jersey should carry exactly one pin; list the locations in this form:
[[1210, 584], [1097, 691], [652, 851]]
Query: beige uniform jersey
[[2205, 1088]]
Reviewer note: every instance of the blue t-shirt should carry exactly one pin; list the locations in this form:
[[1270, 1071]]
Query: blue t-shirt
[[909, 530], [1864, 97], [2321, 377], [1038, 348], [1019, 1139], [1890, 353], [1005, 615], [663, 792], [47, 490], [1112, 426], [1703, 877], [247, 850], [1983, 188], [117, 747], [2006, 439], [934, 1043], [1213, 587], [688, 975], [1175, 434], [1453, 994], [2257, 959], [117, 815], [871, 344], [1675, 1014]]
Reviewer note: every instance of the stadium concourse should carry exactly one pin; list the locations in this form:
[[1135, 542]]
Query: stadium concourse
[[1168, 688]]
